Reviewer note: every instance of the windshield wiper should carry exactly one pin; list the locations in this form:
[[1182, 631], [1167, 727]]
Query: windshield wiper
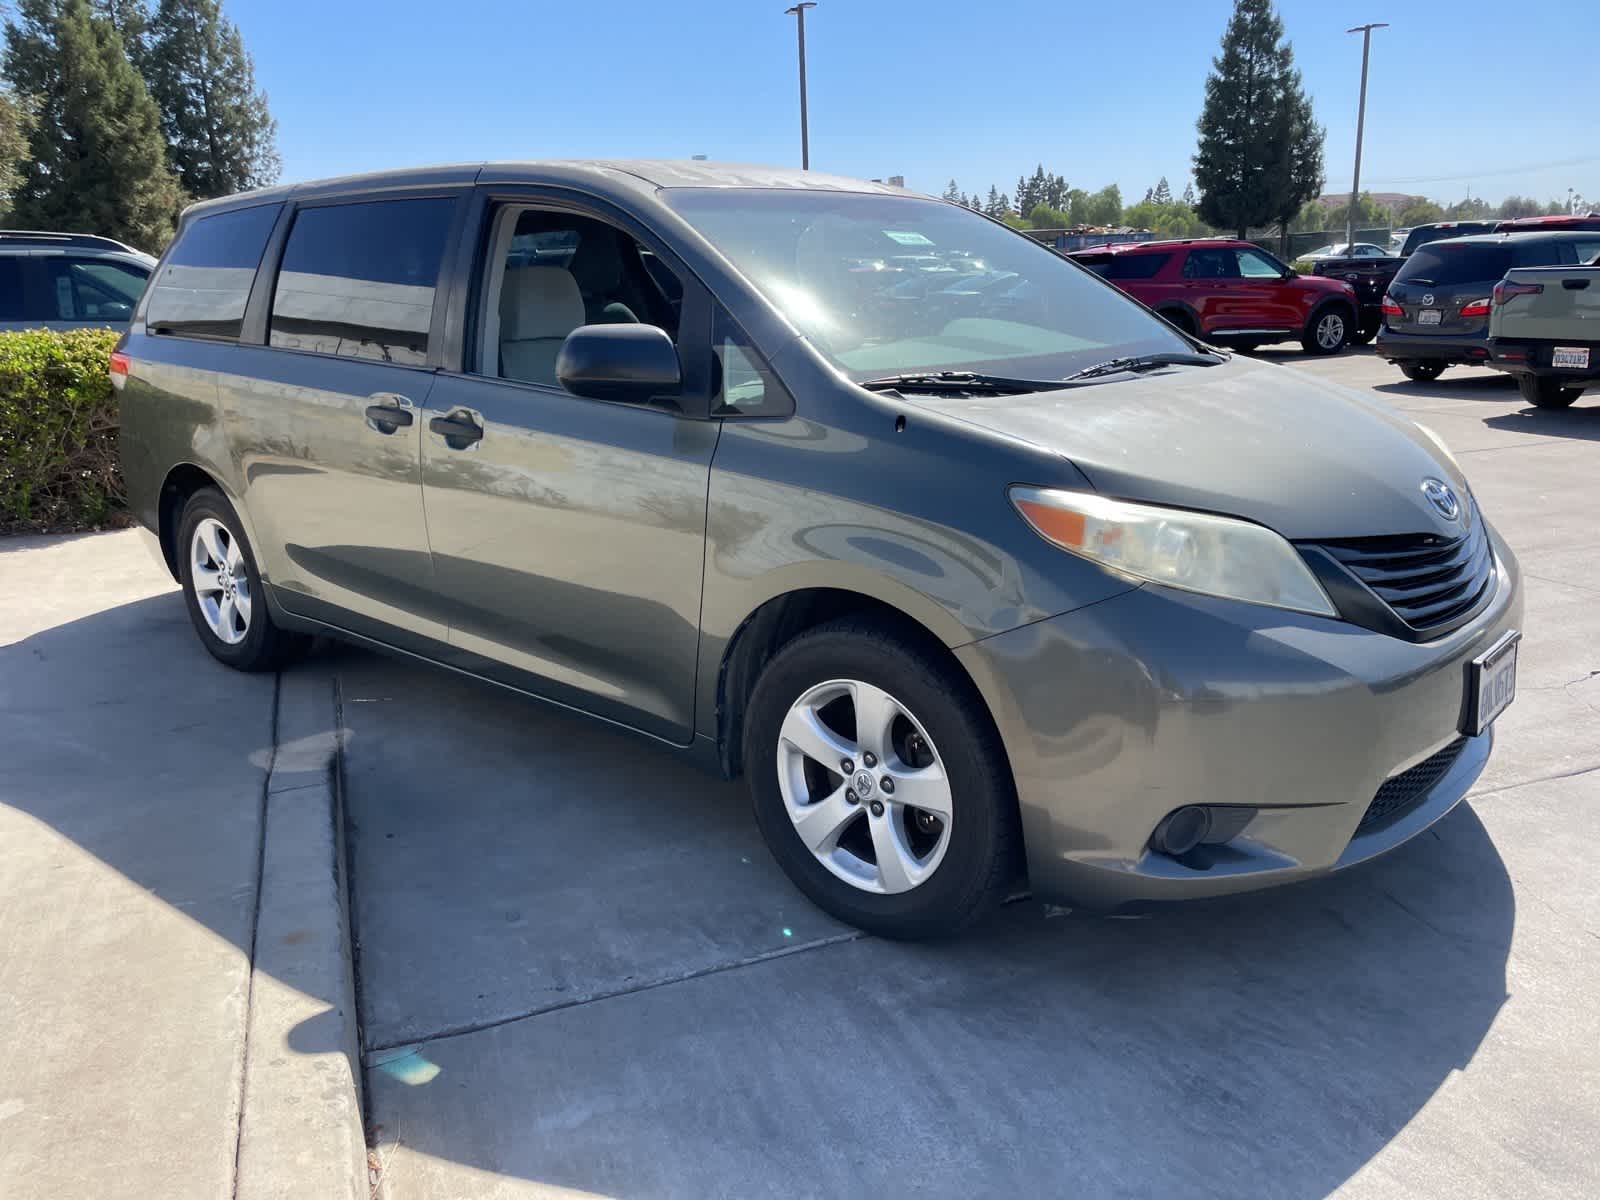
[[1147, 362], [959, 381]]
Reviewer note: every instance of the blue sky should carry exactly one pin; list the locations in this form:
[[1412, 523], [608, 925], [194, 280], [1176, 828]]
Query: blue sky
[[1462, 95]]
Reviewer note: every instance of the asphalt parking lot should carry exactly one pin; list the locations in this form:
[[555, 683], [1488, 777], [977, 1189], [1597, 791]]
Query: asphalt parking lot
[[578, 971]]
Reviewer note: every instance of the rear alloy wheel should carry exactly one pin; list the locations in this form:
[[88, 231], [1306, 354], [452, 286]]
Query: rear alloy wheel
[[1328, 331], [222, 591], [1424, 370], [1547, 392], [879, 783]]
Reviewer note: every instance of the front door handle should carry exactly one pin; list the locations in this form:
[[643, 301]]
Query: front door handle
[[459, 430], [389, 412], [1574, 285]]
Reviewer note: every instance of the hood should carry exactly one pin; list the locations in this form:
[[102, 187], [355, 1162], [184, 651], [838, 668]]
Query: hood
[[1306, 458]]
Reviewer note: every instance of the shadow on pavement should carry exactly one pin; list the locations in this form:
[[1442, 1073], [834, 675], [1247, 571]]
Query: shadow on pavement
[[1478, 385], [1582, 421], [1284, 1037]]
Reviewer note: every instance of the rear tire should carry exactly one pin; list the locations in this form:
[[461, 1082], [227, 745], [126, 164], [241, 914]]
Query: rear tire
[[879, 861], [1424, 370], [1328, 331], [221, 587], [1546, 392]]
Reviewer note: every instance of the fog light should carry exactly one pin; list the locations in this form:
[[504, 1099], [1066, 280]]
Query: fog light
[[1182, 830]]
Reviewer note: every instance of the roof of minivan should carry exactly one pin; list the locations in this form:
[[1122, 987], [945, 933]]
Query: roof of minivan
[[619, 175], [1518, 237]]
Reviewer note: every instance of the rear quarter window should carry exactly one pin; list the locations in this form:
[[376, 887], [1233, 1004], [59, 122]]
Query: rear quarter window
[[202, 285], [11, 302], [1127, 266]]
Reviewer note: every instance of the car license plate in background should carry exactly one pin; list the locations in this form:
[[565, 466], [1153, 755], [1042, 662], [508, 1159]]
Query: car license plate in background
[[1491, 683], [1570, 356], [1430, 316]]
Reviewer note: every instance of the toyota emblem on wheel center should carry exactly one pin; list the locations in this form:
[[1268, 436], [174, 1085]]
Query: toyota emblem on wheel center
[[1442, 497]]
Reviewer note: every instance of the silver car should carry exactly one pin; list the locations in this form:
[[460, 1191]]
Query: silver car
[[975, 586], [68, 280]]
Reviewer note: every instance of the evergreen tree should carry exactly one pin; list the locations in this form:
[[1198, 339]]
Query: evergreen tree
[[16, 124], [991, 206], [1163, 192], [1187, 199], [221, 138], [1149, 196], [131, 19], [1005, 206], [1021, 195], [96, 161], [952, 193], [1260, 153]]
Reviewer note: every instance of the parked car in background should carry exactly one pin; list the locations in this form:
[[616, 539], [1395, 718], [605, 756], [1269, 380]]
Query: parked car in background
[[1544, 328], [1437, 309], [1368, 276], [1438, 231], [68, 280], [966, 593], [1589, 221], [1229, 292], [1344, 250]]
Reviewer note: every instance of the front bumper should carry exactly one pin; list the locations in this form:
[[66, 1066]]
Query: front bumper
[[1116, 714], [1415, 347]]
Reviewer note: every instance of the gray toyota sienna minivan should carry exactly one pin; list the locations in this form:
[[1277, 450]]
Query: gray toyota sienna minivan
[[976, 569]]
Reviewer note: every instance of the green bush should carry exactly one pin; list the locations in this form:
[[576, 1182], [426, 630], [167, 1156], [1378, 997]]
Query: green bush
[[58, 431]]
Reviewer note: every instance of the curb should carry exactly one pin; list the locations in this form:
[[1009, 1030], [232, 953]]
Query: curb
[[300, 1127]]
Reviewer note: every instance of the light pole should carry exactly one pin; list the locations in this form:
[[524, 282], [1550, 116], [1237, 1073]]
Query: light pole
[[799, 10], [1361, 120]]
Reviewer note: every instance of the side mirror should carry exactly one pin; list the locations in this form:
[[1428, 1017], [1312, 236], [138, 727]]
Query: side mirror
[[633, 364]]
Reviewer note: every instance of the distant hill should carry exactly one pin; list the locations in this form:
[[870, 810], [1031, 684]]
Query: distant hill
[[1393, 201]]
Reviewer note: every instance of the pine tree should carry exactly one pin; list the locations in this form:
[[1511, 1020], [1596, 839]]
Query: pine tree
[[131, 19], [952, 193], [1260, 153], [1021, 195], [991, 206], [1005, 206], [16, 124], [1163, 192], [220, 134], [96, 162], [1188, 195]]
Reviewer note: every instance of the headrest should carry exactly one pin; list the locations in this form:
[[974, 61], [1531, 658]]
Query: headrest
[[539, 302]]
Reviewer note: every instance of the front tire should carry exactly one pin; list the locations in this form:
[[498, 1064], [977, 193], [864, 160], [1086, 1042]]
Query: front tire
[[879, 782], [1328, 330], [1547, 392], [221, 587], [1424, 370]]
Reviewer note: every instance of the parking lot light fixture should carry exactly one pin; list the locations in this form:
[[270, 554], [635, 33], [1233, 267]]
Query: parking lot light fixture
[[799, 10], [1361, 119]]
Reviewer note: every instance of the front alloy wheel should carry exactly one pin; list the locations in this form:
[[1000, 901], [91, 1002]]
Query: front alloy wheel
[[862, 783]]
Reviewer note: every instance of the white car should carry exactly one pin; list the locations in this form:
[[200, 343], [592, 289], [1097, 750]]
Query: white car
[[1345, 250]]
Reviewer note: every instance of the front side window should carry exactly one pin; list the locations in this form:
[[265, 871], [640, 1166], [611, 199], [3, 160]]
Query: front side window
[[1255, 265], [358, 280], [92, 289], [202, 285], [883, 285], [551, 272]]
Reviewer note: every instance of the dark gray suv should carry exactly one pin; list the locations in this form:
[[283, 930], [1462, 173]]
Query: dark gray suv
[[977, 570], [68, 280]]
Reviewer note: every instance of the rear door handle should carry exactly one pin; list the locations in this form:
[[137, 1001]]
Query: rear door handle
[[388, 412], [459, 430], [1575, 285]]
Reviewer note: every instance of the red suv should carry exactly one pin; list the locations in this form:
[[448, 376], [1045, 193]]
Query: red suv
[[1230, 292]]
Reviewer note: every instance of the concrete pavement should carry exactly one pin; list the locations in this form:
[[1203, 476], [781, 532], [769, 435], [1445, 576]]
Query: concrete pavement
[[143, 796]]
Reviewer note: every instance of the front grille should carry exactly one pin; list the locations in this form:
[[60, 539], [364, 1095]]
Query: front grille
[[1426, 580], [1403, 792]]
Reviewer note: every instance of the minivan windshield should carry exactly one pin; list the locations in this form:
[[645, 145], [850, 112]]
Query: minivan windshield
[[884, 285]]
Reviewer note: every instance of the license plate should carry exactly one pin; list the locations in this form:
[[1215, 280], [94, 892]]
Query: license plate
[[1571, 356], [1491, 683], [1430, 316]]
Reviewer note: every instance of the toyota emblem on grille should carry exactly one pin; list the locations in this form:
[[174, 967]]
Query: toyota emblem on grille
[[1441, 496], [1427, 297]]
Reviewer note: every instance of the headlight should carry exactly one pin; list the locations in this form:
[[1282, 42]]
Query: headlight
[[1438, 441], [1218, 556]]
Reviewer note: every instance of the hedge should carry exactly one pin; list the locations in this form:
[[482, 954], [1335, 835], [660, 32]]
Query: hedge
[[58, 431]]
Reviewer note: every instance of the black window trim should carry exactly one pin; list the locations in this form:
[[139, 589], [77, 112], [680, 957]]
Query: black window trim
[[258, 310], [139, 319], [470, 271]]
